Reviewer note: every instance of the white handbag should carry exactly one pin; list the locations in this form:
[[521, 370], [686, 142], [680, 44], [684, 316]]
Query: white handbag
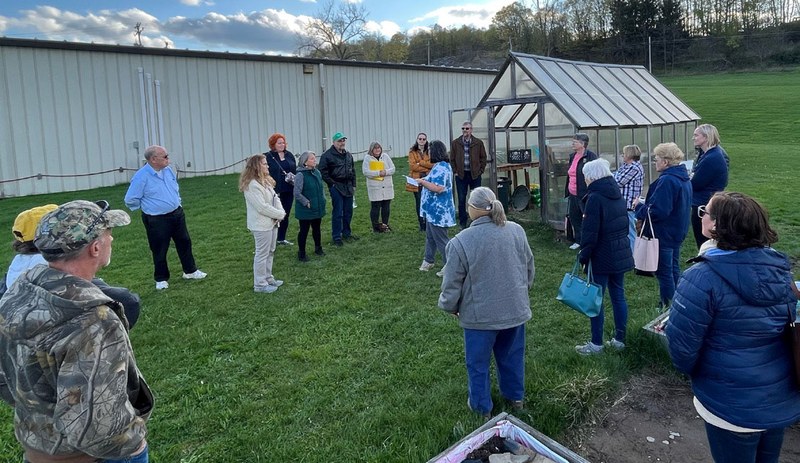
[[645, 250]]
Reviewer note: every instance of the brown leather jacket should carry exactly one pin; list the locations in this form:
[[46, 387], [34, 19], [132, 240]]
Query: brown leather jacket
[[477, 156]]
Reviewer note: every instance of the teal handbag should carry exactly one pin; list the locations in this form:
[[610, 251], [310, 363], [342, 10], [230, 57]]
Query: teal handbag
[[584, 296]]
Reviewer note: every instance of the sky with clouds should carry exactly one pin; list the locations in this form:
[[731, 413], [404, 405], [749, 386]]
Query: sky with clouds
[[250, 26]]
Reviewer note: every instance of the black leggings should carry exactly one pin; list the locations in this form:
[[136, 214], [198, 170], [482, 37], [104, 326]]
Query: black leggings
[[302, 235], [381, 208]]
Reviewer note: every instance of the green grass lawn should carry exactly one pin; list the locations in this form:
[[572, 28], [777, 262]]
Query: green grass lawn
[[351, 360]]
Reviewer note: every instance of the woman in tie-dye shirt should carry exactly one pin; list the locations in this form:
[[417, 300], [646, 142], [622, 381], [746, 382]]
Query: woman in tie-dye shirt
[[436, 205]]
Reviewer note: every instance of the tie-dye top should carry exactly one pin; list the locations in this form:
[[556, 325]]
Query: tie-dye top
[[438, 208]]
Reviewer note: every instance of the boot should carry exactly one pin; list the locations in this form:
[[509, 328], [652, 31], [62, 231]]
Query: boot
[[318, 251], [301, 256]]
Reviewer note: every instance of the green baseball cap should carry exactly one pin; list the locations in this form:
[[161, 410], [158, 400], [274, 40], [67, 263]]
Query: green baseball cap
[[339, 136], [75, 224]]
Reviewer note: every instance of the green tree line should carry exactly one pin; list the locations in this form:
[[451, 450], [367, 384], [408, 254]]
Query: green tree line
[[669, 34]]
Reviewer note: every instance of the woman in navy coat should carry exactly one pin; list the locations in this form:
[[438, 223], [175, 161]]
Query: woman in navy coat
[[605, 244], [709, 173], [727, 332]]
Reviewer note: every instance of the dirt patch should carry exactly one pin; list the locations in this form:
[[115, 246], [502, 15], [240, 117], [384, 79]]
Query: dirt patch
[[659, 408]]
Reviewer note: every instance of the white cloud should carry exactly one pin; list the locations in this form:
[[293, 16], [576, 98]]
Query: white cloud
[[191, 2], [268, 31], [385, 28], [308, 1], [470, 14]]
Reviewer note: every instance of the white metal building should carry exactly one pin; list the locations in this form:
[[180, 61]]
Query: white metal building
[[71, 109]]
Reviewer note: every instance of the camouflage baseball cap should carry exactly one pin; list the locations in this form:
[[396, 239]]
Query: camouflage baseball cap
[[75, 224]]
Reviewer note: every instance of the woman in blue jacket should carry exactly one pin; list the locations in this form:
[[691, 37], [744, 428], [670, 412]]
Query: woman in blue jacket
[[709, 173], [605, 244], [727, 332], [668, 202]]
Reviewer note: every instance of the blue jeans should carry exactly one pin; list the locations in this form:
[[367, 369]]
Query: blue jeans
[[462, 184], [632, 227], [342, 214], [508, 347], [668, 272], [744, 447], [615, 283], [143, 457], [436, 239]]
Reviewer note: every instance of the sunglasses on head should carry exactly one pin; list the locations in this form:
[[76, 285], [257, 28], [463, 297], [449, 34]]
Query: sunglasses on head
[[103, 209]]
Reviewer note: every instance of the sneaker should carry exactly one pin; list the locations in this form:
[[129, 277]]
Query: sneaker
[[196, 275], [349, 238], [440, 273], [162, 285], [589, 349], [485, 416], [575, 246], [285, 243], [425, 266], [338, 243], [319, 252], [265, 289], [274, 282], [618, 345], [517, 405]]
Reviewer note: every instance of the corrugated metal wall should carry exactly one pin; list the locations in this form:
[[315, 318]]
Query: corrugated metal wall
[[66, 112]]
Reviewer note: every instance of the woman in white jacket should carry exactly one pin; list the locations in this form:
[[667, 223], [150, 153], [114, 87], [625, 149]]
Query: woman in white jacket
[[264, 213], [378, 168]]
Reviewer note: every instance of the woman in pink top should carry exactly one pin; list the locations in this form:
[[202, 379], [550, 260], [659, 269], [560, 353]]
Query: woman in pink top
[[576, 186]]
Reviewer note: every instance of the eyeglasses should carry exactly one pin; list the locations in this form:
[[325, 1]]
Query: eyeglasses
[[103, 209], [701, 211], [466, 128]]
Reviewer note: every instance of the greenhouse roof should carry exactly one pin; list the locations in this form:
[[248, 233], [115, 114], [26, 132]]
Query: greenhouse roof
[[590, 95]]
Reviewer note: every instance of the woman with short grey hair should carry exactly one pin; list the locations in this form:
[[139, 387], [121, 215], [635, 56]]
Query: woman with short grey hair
[[488, 275], [606, 249]]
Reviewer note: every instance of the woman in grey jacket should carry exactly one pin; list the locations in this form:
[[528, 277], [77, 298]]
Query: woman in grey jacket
[[488, 275]]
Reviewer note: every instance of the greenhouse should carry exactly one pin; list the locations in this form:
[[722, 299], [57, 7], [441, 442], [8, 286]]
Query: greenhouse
[[535, 105]]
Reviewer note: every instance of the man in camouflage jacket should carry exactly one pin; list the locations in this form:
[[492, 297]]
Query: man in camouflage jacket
[[67, 365]]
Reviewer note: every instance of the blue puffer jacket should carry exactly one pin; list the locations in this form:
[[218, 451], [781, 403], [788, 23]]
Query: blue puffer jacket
[[726, 331], [709, 175], [604, 234], [669, 200]]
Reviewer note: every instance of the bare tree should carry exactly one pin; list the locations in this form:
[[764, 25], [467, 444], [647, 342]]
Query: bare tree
[[334, 31]]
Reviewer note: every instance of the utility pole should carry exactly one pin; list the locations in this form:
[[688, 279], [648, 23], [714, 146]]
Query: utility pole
[[137, 32]]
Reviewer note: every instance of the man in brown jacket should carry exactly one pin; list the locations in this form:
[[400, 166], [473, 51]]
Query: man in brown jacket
[[468, 159]]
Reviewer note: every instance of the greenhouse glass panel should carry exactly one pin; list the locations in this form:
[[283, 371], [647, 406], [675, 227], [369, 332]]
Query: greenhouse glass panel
[[526, 87], [522, 118], [609, 84], [607, 147], [503, 116], [573, 82], [563, 98]]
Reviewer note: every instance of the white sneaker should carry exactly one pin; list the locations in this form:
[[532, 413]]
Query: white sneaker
[[275, 283], [425, 266], [285, 243], [618, 345], [162, 285], [575, 246], [589, 349], [196, 275], [440, 273], [265, 289]]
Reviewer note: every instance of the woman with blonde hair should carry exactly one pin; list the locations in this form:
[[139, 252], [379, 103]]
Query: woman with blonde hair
[[378, 169], [709, 174], [668, 201], [488, 275], [264, 213]]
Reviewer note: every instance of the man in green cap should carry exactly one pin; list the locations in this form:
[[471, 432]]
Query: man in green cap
[[68, 368], [336, 167]]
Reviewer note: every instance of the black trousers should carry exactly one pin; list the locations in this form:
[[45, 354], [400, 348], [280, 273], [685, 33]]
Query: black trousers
[[161, 229], [302, 235], [417, 199], [575, 212], [697, 228], [287, 199], [382, 209]]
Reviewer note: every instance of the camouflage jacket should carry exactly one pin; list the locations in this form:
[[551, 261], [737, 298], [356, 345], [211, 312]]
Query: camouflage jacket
[[68, 370]]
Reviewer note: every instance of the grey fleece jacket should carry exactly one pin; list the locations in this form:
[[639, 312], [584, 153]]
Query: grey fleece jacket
[[488, 275]]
